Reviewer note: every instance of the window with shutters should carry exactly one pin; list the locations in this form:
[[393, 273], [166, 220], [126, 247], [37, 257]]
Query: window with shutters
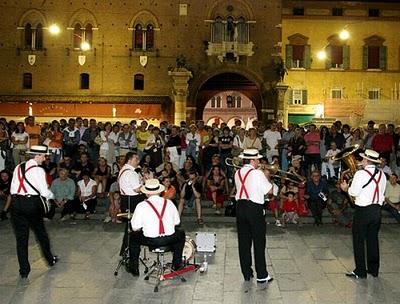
[[138, 82], [336, 93], [338, 54], [27, 81], [374, 53], [298, 97], [374, 94], [298, 52]]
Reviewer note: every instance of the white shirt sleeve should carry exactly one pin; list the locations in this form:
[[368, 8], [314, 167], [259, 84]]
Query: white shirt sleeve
[[137, 218]]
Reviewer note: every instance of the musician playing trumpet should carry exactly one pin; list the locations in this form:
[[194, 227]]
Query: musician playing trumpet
[[368, 188]]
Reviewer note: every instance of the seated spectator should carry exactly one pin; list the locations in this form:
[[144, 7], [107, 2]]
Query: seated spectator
[[289, 209], [272, 199], [328, 164], [339, 206], [64, 191], [191, 193], [115, 207], [50, 169], [316, 195], [87, 190], [147, 161], [83, 164], [66, 163], [392, 197], [183, 175], [102, 174], [116, 167], [216, 187], [71, 138], [170, 190], [385, 168], [147, 172], [5, 196], [55, 136]]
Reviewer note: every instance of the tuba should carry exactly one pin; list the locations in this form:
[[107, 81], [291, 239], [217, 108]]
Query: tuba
[[348, 156]]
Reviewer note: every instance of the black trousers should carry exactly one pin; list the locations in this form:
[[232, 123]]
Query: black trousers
[[316, 206], [129, 202], [251, 228], [26, 213], [175, 241], [366, 224]]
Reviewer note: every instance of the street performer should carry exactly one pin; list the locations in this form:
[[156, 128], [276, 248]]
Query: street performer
[[154, 224], [251, 187], [368, 188], [129, 184], [27, 185]]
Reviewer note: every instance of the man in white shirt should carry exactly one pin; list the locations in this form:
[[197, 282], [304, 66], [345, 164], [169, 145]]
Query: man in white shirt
[[329, 165], [392, 197], [154, 222], [27, 185], [368, 188], [251, 187], [272, 137]]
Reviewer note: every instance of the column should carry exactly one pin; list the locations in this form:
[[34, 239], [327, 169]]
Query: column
[[180, 78], [282, 107]]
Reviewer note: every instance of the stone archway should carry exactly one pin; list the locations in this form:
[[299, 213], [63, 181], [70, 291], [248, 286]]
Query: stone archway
[[225, 81]]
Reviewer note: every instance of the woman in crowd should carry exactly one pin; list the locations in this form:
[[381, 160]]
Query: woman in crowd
[[102, 174], [87, 191], [19, 139], [297, 145], [324, 133], [55, 137], [211, 147], [216, 186], [357, 138], [154, 147]]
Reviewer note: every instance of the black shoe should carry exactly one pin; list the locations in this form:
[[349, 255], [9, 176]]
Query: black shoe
[[54, 261], [134, 272], [354, 275], [23, 276], [375, 275], [249, 278], [178, 267]]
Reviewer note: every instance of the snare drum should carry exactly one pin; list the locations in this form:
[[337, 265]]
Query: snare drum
[[189, 249]]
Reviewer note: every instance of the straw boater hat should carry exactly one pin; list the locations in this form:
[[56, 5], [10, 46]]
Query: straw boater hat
[[371, 155], [152, 186], [250, 154], [38, 150]]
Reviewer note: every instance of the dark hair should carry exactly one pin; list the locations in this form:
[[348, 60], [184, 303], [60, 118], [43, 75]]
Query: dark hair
[[23, 128], [130, 155]]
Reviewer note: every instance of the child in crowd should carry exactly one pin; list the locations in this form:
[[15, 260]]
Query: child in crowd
[[170, 190], [289, 209], [115, 207]]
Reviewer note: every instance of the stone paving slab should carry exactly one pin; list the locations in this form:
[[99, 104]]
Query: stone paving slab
[[307, 263]]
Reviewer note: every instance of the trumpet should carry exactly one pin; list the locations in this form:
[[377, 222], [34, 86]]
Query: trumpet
[[273, 169]]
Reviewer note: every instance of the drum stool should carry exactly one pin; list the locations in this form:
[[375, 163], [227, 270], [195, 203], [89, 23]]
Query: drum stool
[[159, 266]]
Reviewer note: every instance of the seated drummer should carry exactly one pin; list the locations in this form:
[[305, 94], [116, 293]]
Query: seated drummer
[[153, 224]]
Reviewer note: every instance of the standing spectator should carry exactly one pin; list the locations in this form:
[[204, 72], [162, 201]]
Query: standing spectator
[[337, 137], [154, 147], [114, 136], [316, 195], [225, 147], [193, 140], [383, 143], [64, 191], [348, 137], [4, 145], [312, 153], [323, 145], [89, 137], [71, 139], [357, 138], [174, 146], [238, 142], [297, 145], [142, 135], [107, 145], [127, 141], [369, 135], [33, 130], [252, 141], [19, 139], [82, 128], [55, 144], [284, 144], [272, 138], [211, 148]]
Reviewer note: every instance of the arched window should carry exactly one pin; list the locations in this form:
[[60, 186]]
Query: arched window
[[218, 101], [27, 81], [238, 102], [242, 31], [218, 31], [374, 53], [84, 80], [28, 36], [77, 36], [230, 29], [138, 37], [338, 54], [138, 82], [149, 37], [213, 102], [230, 101], [298, 52], [88, 35], [39, 37]]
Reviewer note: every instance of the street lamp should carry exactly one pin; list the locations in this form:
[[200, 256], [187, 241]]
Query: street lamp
[[85, 46], [321, 55], [344, 35], [54, 29]]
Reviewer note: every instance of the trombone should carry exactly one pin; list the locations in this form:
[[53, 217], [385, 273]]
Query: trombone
[[273, 169]]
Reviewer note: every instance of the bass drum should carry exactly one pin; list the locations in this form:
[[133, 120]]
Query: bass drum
[[189, 249]]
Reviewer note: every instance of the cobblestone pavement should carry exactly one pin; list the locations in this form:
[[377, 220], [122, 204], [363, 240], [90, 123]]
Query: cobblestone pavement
[[308, 264]]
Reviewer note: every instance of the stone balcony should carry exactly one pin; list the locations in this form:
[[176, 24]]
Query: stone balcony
[[221, 49]]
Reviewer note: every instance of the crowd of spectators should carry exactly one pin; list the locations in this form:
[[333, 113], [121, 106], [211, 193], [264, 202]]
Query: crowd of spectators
[[86, 156]]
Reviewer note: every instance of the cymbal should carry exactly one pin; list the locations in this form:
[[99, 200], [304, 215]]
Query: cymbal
[[125, 215]]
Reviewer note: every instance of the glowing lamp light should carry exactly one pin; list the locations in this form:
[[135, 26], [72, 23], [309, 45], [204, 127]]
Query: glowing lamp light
[[319, 111], [85, 46], [344, 35], [54, 29], [321, 55]]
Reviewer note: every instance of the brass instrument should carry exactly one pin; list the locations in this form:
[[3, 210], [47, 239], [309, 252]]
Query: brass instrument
[[273, 169], [348, 156]]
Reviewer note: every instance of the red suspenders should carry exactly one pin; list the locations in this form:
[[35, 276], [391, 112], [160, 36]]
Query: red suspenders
[[161, 230], [21, 179], [376, 192], [242, 181]]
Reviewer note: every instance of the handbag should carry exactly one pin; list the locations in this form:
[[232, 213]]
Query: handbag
[[47, 208]]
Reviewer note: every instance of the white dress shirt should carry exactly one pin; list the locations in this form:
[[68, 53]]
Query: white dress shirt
[[256, 184], [36, 176], [128, 180], [145, 217], [86, 190], [364, 196], [272, 138]]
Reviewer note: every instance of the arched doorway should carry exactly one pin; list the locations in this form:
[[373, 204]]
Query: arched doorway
[[227, 82]]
